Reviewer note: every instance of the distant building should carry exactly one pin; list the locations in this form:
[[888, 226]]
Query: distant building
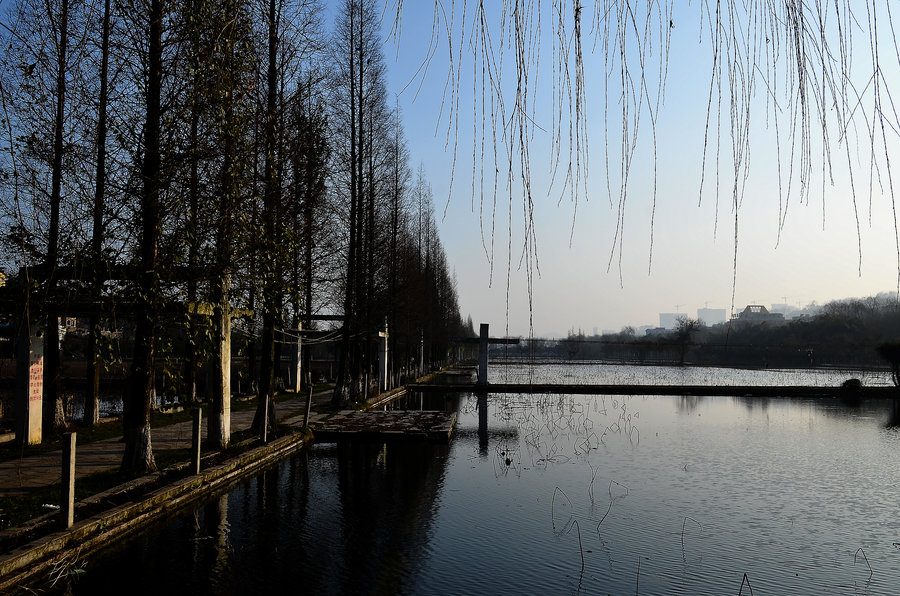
[[757, 313], [787, 310], [712, 316], [667, 320], [657, 331]]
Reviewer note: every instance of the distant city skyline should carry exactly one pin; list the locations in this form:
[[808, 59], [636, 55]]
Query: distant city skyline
[[655, 321]]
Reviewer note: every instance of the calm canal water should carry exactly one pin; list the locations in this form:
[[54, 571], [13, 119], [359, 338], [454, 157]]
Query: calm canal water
[[660, 495]]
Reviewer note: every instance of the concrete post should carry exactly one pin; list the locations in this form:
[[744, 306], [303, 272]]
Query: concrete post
[[29, 381], [265, 423], [298, 359], [483, 355], [383, 379], [421, 354], [308, 406], [195, 439], [67, 509]]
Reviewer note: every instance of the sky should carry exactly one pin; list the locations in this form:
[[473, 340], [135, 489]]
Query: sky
[[820, 254]]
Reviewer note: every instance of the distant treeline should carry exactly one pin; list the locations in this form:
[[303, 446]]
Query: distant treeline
[[845, 333]]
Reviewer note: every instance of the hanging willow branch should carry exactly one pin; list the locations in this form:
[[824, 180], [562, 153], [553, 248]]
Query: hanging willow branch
[[813, 72]]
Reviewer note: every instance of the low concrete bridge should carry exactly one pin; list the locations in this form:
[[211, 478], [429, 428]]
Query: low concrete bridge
[[697, 390]]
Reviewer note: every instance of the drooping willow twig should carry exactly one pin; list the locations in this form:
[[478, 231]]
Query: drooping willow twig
[[792, 62]]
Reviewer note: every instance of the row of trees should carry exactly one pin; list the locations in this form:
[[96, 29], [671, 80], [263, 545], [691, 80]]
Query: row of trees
[[159, 157]]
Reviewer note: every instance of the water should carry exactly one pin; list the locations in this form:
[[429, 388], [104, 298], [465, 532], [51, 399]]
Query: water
[[670, 496], [600, 373]]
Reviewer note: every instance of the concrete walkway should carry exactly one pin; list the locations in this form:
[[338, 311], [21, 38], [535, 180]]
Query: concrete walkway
[[21, 476]]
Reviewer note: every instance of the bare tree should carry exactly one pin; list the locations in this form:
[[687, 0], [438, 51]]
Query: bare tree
[[92, 395], [138, 457], [685, 328]]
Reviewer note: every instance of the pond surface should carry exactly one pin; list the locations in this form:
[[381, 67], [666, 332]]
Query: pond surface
[[602, 373], [659, 495]]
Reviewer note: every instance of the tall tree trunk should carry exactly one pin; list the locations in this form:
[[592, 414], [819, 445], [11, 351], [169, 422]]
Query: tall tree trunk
[[219, 420], [395, 224], [53, 419], [92, 395], [194, 322], [308, 267], [250, 345], [266, 401], [359, 286], [344, 357], [138, 457], [371, 323]]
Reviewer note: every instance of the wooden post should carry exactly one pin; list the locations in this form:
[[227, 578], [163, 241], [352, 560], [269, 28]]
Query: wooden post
[[29, 381], [483, 355], [67, 509], [195, 439]]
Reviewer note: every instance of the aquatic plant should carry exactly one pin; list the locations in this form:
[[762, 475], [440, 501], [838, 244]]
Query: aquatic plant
[[604, 516], [637, 579], [553, 505], [611, 500], [856, 554], [580, 546], [746, 579], [682, 528]]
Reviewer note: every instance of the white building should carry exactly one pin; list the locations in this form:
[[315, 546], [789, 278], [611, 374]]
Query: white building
[[667, 320], [712, 316]]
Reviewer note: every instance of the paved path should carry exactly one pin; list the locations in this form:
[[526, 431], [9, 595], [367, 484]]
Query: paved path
[[21, 476]]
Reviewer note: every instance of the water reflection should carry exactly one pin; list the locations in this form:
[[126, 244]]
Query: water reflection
[[687, 404], [754, 402], [346, 518], [388, 499], [893, 420], [483, 424]]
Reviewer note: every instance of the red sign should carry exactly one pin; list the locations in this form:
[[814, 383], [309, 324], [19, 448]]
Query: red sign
[[36, 378]]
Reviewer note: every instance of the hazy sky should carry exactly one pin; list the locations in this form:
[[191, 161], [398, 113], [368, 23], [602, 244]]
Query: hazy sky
[[693, 243]]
